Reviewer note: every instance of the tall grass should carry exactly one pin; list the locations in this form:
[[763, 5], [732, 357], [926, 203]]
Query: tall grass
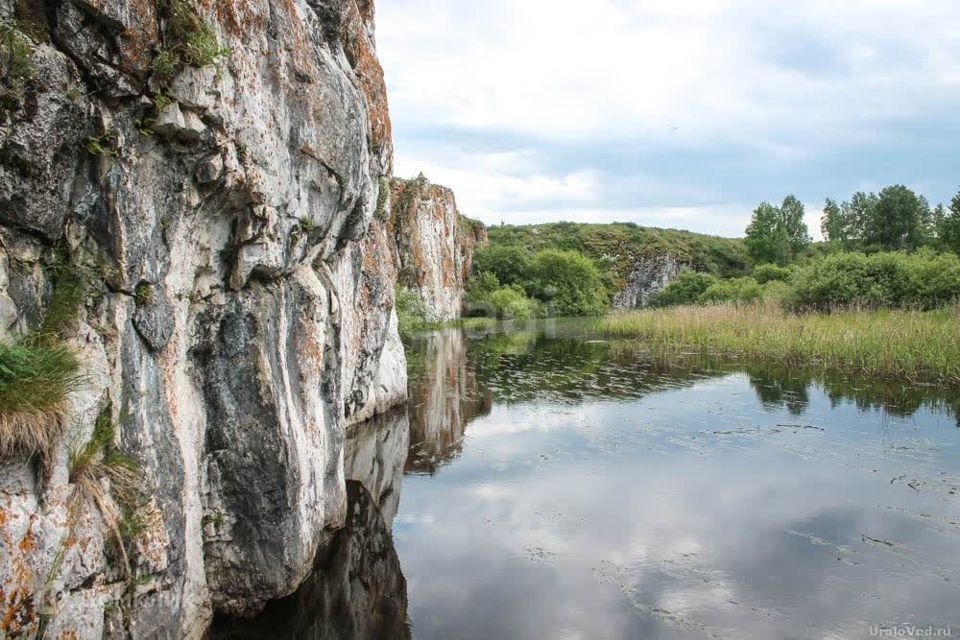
[[906, 345]]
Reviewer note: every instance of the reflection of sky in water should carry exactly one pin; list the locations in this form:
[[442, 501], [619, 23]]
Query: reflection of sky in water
[[693, 511]]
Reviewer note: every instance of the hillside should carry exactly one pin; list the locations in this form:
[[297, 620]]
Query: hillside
[[627, 241], [637, 261]]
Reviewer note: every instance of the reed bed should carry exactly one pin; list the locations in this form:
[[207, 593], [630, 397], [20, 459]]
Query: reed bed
[[915, 346]]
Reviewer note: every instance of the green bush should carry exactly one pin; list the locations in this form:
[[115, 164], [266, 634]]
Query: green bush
[[509, 263], [924, 279], [765, 273], [686, 288], [568, 281], [411, 312], [511, 303], [738, 290]]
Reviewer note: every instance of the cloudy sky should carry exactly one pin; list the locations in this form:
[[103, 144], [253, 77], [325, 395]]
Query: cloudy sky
[[680, 113]]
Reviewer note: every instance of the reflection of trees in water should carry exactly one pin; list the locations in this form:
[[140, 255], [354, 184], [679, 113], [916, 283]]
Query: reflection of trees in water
[[444, 398], [525, 366], [356, 591]]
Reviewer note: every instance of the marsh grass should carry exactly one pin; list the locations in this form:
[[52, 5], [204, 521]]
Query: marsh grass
[[907, 345]]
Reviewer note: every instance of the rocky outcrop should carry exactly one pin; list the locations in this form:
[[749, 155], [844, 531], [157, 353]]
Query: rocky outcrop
[[357, 588], [211, 171], [434, 244], [649, 276]]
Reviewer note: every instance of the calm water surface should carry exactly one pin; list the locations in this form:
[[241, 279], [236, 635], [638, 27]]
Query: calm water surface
[[567, 488]]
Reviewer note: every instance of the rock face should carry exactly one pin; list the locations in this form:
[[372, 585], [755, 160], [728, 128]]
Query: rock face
[[357, 588], [649, 276], [239, 312], [434, 244]]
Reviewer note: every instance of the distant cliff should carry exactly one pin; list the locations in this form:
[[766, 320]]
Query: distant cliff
[[434, 244], [638, 261]]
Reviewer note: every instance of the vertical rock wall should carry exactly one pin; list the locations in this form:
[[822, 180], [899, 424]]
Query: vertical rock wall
[[434, 244], [648, 277], [240, 304]]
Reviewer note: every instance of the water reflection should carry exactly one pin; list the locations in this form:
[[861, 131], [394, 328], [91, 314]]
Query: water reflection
[[574, 488], [357, 589], [444, 396], [601, 493]]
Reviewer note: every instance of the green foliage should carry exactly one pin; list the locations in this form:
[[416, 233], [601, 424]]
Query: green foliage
[[899, 345], [777, 234], [35, 378], [568, 281], [615, 249], [100, 145], [511, 303], [508, 302], [411, 312], [949, 226], [686, 288], [764, 273], [37, 372], [900, 220], [833, 224], [190, 41], [924, 279], [509, 263], [16, 52], [144, 295], [736, 290]]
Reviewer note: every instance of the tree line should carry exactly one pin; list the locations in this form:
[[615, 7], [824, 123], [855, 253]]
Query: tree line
[[896, 219]]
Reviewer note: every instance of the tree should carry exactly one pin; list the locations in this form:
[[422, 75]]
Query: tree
[[834, 224], [949, 230], [901, 220], [858, 214], [777, 235], [792, 212], [509, 263]]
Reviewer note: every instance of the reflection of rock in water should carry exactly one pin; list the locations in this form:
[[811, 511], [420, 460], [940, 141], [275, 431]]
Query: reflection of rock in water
[[443, 399], [356, 591], [374, 455]]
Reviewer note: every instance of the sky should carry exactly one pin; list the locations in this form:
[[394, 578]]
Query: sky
[[680, 113]]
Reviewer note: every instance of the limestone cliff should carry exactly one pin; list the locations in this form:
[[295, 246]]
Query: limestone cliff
[[434, 244], [649, 276], [209, 171]]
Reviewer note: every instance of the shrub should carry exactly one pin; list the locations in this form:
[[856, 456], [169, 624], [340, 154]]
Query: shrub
[[765, 273], [569, 281], [411, 312], [738, 290], [686, 288], [924, 279], [511, 303], [509, 263]]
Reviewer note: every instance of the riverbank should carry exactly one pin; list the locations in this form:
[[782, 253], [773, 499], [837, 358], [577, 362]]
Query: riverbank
[[907, 345]]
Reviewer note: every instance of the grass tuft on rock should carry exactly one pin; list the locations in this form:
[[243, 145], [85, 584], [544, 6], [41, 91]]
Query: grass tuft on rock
[[94, 463], [190, 41], [38, 372]]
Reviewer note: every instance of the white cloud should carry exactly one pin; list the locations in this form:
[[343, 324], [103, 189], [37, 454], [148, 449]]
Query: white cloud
[[794, 82]]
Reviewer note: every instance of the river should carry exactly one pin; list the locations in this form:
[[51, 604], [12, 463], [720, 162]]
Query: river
[[552, 487]]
